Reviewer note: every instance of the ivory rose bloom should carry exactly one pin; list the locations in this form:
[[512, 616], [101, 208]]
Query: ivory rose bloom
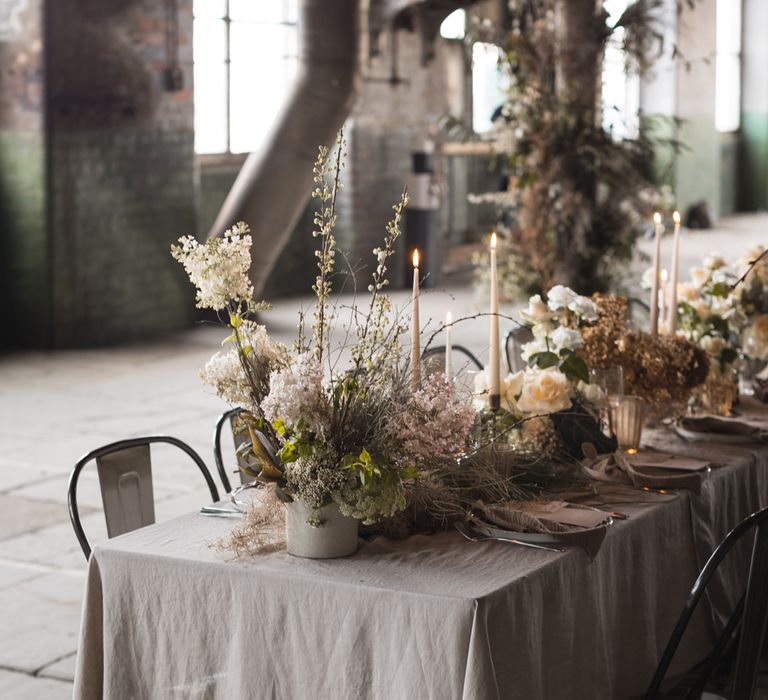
[[755, 340], [591, 392], [560, 297], [536, 312], [566, 338], [699, 276], [687, 292], [713, 344], [509, 389], [544, 391]]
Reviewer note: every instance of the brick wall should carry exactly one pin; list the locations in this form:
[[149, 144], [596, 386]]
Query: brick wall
[[122, 179], [24, 279]]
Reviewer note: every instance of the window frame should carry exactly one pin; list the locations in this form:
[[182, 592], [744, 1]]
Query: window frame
[[228, 156]]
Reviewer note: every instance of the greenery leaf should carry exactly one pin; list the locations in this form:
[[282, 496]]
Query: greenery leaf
[[574, 367], [543, 360]]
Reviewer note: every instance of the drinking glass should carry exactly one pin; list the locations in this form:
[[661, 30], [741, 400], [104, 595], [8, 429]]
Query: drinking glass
[[627, 415], [611, 383]]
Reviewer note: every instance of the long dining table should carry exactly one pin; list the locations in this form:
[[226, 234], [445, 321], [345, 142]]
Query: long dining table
[[167, 614]]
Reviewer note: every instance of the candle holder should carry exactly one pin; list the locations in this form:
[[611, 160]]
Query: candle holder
[[627, 416]]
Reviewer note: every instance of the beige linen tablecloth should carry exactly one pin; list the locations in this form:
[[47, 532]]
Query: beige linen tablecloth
[[167, 616]]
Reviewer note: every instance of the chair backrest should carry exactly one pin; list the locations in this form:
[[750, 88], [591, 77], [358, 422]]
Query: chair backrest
[[464, 364], [125, 478], [238, 436], [513, 347], [752, 612], [638, 313]]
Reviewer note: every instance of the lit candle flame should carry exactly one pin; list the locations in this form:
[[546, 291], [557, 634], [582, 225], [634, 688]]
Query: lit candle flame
[[493, 240], [676, 216], [448, 319], [657, 218], [416, 257]]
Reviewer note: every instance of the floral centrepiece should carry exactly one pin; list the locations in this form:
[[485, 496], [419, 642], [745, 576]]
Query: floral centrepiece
[[356, 436]]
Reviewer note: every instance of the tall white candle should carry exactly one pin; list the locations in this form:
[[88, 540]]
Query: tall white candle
[[654, 301], [675, 275], [448, 347], [494, 358], [663, 302], [415, 327]]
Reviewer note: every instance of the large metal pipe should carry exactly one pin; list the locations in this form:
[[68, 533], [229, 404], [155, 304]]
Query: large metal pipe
[[274, 184]]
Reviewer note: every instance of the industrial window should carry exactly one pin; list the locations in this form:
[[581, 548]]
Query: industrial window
[[620, 94], [728, 66], [454, 26], [245, 56], [490, 84]]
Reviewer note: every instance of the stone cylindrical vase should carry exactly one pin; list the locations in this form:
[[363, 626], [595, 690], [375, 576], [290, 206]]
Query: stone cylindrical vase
[[319, 533]]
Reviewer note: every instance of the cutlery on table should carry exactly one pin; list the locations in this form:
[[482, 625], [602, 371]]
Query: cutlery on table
[[220, 512], [475, 536]]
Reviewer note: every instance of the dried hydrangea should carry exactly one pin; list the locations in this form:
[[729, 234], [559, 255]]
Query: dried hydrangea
[[219, 267], [382, 499], [316, 477]]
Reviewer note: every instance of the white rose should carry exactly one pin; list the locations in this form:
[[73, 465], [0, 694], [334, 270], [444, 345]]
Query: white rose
[[713, 344], [699, 276], [701, 308], [542, 330], [566, 338], [687, 292], [509, 389], [511, 386], [544, 391], [585, 308], [538, 345], [559, 297], [714, 261], [592, 393], [536, 312]]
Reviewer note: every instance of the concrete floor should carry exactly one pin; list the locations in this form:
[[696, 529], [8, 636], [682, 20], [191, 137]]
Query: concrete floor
[[56, 406]]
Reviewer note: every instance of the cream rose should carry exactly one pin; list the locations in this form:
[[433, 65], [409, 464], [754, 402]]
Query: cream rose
[[713, 344], [509, 389], [536, 312], [544, 391], [566, 339], [560, 297], [755, 338], [591, 392], [687, 292], [699, 276], [585, 308]]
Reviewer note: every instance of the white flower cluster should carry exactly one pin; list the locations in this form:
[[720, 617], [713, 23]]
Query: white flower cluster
[[555, 323], [219, 267], [432, 425], [296, 394], [224, 374], [256, 342]]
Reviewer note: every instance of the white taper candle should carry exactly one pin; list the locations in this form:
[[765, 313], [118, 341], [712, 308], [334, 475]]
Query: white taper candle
[[415, 327], [675, 275], [654, 301], [494, 358]]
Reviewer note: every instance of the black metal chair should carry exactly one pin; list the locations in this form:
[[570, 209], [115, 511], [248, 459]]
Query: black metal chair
[[464, 362], [239, 437], [638, 313], [513, 347], [125, 477], [747, 624]]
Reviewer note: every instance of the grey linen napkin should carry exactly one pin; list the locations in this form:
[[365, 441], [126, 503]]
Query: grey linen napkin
[[616, 468], [725, 426], [569, 524]]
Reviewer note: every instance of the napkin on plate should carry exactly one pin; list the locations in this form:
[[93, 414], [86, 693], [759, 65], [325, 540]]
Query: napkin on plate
[[617, 468], [570, 524], [663, 460], [739, 428]]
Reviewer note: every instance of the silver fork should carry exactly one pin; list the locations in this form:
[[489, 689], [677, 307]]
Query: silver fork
[[474, 536]]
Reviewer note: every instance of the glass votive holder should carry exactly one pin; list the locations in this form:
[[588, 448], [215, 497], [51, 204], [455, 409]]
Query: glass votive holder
[[627, 416]]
